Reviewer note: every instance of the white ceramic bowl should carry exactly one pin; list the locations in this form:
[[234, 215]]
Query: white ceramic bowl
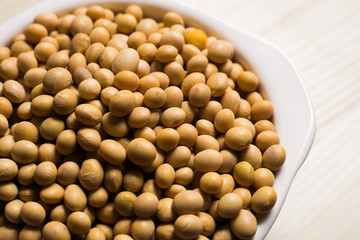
[[294, 118]]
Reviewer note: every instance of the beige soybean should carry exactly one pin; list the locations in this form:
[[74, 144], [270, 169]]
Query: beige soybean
[[209, 224], [107, 57], [261, 110], [58, 59], [245, 195], [78, 223], [123, 226], [42, 105], [188, 202], [164, 176], [175, 71], [57, 79], [230, 159], [173, 117], [113, 178], [184, 176], [51, 127], [112, 151], [24, 152], [91, 174], [244, 109], [218, 83], [208, 160], [188, 134], [104, 77], [26, 131], [244, 174], [155, 97], [141, 152], [89, 89], [266, 139], [8, 169], [252, 155], [89, 139], [98, 197], [167, 139], [151, 187], [166, 53], [245, 123], [43, 50], [14, 91], [26, 61], [254, 97], [6, 144], [32, 213], [138, 117], [210, 110], [174, 97], [263, 200], [8, 191], [146, 133], [9, 69], [67, 173], [52, 193], [274, 157], [88, 114], [124, 203], [204, 142], [188, 226], [143, 228], [165, 211], [178, 157], [106, 94], [25, 174], [197, 63], [147, 51], [244, 225], [126, 23], [12, 211], [263, 177], [6, 108], [224, 120], [74, 198], [45, 173], [66, 142], [65, 102], [27, 233], [220, 51], [199, 95], [24, 111], [95, 234], [126, 60], [229, 205], [114, 126], [211, 183], [227, 186], [145, 205], [122, 103], [29, 193], [190, 80], [238, 138], [263, 125]]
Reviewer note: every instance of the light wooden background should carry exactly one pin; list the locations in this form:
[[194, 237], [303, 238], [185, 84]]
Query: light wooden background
[[322, 38]]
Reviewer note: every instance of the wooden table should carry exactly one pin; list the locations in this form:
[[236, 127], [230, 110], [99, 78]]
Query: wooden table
[[323, 40]]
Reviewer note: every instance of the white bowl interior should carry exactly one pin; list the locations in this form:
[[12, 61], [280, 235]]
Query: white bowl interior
[[293, 117]]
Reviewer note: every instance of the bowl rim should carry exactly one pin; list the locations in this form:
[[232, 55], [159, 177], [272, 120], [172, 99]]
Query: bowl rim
[[221, 28]]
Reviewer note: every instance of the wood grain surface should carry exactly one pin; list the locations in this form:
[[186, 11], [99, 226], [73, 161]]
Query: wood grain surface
[[323, 40]]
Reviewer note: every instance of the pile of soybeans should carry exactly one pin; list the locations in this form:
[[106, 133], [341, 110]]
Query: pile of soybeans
[[114, 125]]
